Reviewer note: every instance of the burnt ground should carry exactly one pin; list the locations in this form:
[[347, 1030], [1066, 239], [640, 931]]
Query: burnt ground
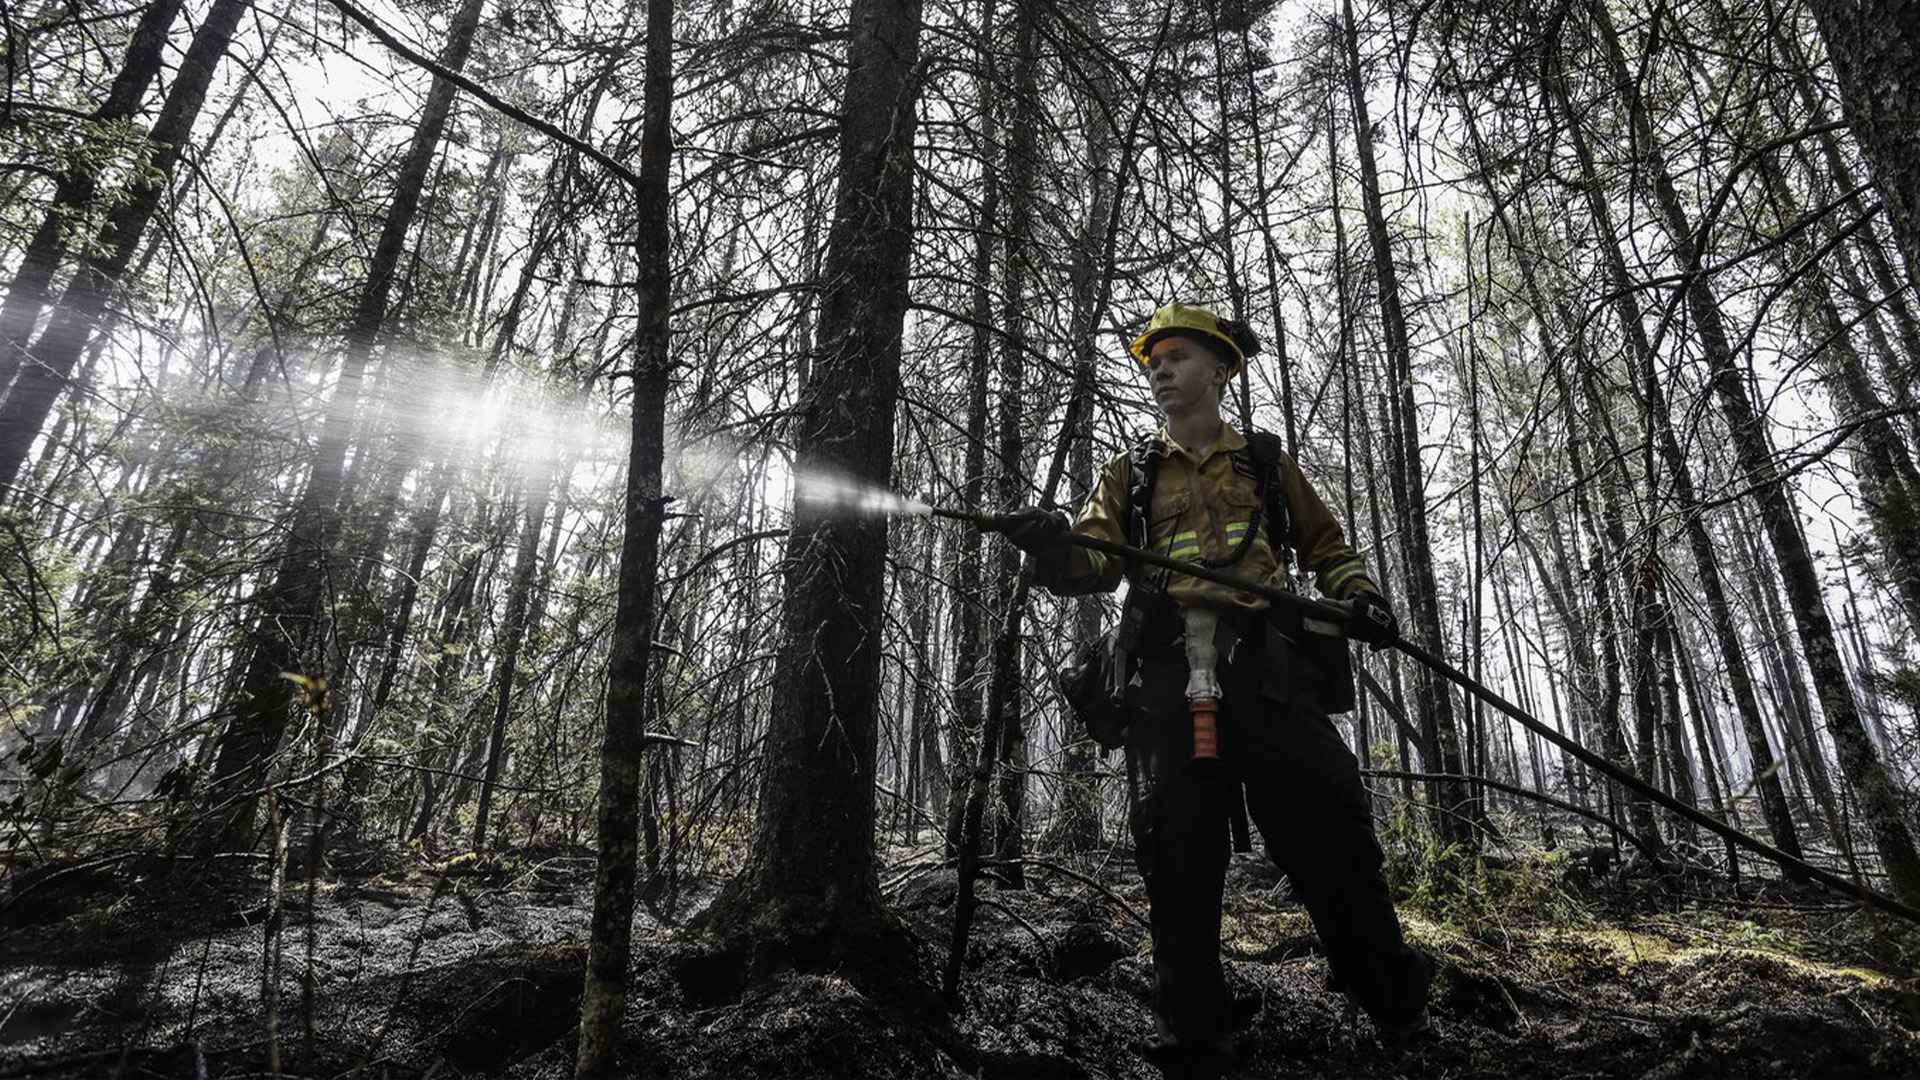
[[469, 970]]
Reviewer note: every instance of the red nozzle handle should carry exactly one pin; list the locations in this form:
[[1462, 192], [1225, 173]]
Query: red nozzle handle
[[1206, 729]]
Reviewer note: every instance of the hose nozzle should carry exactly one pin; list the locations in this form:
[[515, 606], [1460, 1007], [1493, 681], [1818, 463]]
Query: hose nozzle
[[1203, 685]]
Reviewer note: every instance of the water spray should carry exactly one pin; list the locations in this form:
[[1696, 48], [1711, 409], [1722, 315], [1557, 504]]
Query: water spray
[[858, 498]]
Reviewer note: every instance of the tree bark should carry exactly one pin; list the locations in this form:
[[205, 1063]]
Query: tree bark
[[1875, 49], [603, 999], [1015, 345], [809, 893], [971, 649]]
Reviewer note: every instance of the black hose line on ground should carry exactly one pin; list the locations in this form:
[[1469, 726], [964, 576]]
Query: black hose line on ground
[[1339, 615]]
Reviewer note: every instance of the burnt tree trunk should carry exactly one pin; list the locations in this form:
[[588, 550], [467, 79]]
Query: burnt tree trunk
[[1875, 49], [1015, 344], [970, 669], [603, 1000], [809, 894], [623, 742]]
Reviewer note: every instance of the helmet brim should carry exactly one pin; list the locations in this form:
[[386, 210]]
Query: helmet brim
[[1221, 343]]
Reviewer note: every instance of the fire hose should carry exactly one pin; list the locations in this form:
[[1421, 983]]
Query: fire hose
[[1340, 615]]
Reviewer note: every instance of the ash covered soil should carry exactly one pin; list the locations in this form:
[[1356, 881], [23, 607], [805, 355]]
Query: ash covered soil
[[475, 970]]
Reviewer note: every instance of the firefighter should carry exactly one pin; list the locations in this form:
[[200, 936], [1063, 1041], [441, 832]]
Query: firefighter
[[1209, 496]]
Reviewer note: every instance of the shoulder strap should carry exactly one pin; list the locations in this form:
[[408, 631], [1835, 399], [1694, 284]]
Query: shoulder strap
[[1143, 466], [1265, 448], [1267, 451]]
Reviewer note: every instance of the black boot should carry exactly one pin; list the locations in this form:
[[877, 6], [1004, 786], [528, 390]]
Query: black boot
[[1190, 1059]]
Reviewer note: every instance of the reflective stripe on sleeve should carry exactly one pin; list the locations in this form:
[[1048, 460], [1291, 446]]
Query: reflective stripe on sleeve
[[1337, 579]]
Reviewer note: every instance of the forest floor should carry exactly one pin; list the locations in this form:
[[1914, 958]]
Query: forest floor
[[467, 969]]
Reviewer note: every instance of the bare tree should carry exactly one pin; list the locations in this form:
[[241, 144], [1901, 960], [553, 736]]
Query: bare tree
[[603, 1002], [809, 892], [1875, 48], [1405, 471]]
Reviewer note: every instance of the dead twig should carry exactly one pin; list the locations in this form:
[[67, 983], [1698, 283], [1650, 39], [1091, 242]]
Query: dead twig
[[1043, 864], [1046, 954]]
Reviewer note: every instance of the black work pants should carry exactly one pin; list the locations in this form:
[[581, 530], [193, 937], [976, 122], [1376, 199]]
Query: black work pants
[[1303, 794]]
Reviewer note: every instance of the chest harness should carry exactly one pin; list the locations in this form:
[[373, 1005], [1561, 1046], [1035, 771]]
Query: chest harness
[[1146, 598]]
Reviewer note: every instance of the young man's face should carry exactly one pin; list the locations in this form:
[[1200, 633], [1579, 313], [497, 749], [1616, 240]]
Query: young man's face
[[1185, 375]]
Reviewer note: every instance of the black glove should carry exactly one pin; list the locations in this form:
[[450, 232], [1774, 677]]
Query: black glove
[[1040, 533], [1372, 621]]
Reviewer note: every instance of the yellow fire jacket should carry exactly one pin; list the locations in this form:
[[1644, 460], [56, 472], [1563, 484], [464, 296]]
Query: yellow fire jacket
[[1202, 506]]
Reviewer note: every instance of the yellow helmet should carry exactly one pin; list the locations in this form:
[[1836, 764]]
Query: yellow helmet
[[1233, 339]]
